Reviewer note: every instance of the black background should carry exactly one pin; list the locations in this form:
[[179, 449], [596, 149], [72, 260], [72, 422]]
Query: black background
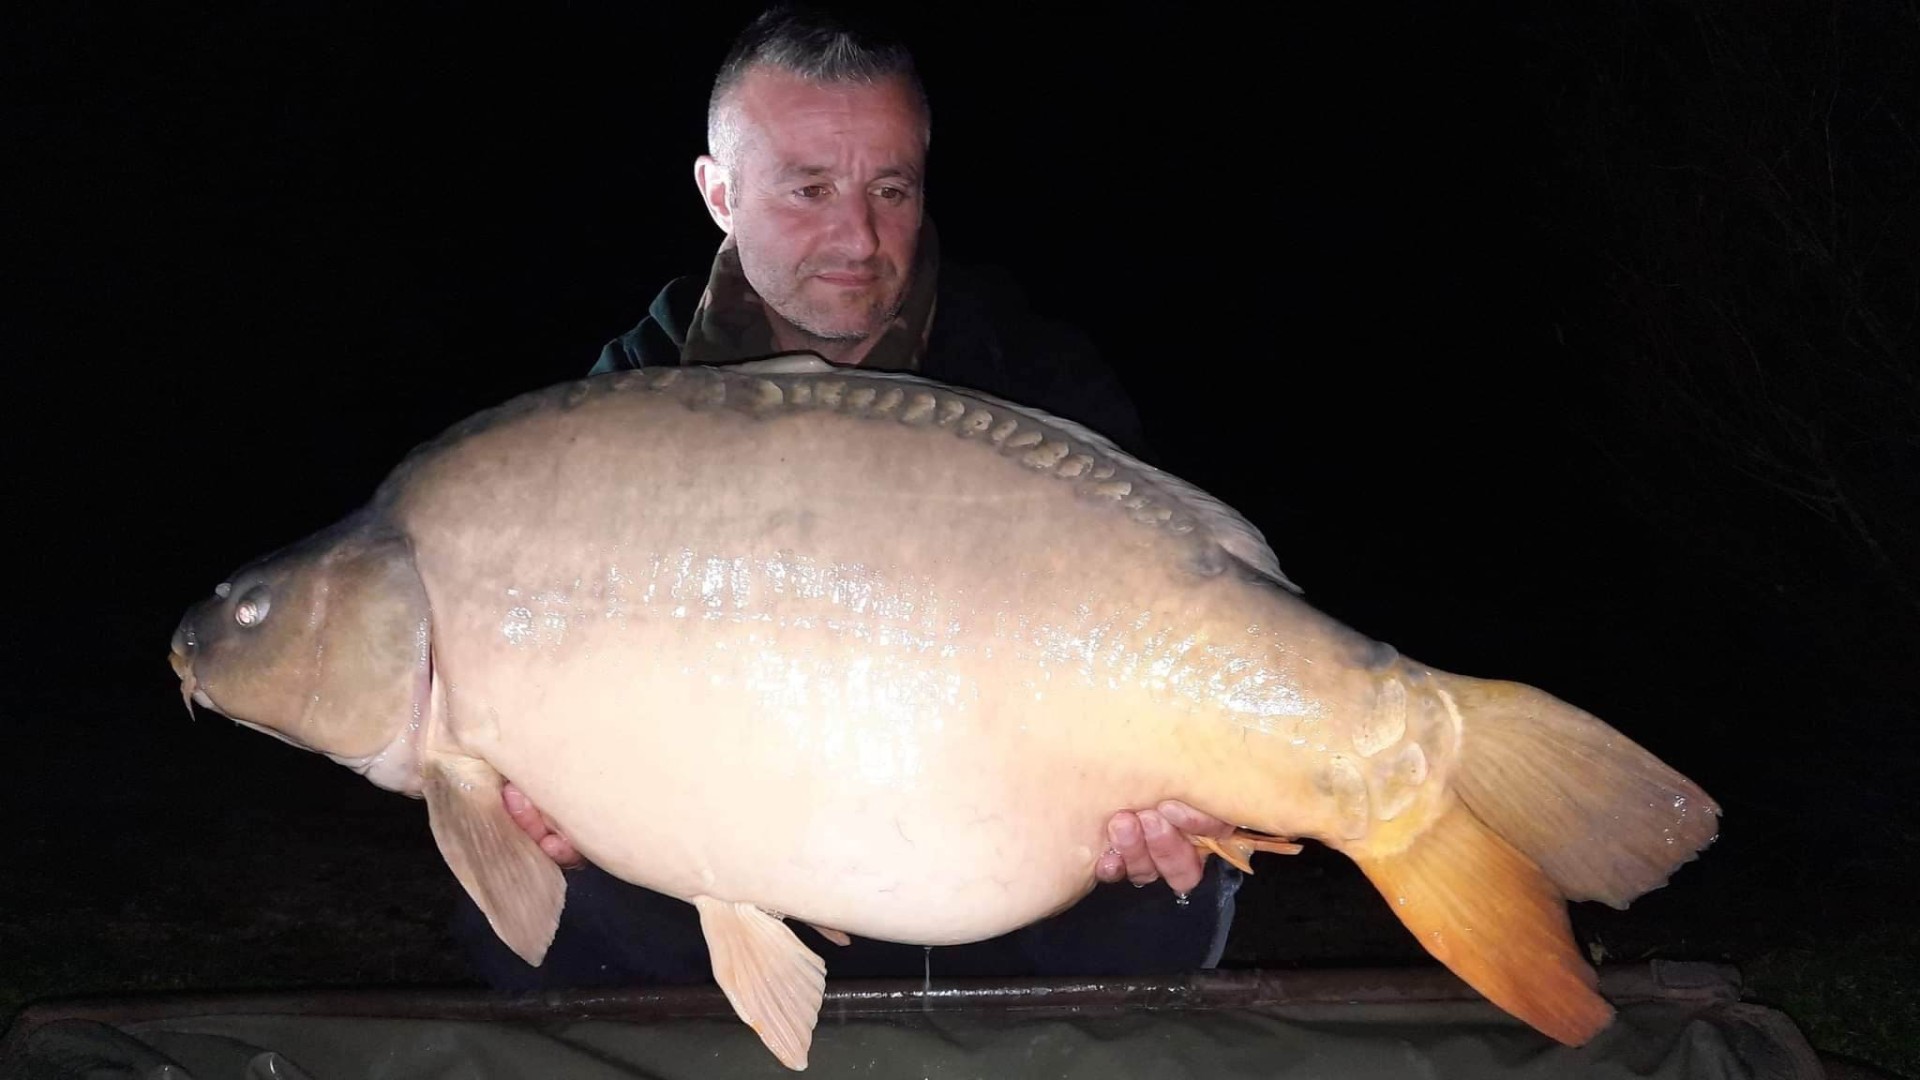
[[1440, 297]]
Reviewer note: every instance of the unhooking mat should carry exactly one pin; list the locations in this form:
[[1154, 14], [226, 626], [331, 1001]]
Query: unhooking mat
[[1675, 1021]]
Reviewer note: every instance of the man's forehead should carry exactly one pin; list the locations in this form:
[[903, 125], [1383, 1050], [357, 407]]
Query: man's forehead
[[802, 169], [804, 123]]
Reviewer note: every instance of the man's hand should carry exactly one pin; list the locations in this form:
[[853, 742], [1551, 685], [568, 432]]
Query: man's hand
[[528, 817], [1152, 844]]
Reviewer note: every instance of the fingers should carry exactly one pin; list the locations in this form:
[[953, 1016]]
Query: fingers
[[534, 824], [1152, 845], [1186, 819], [561, 851], [522, 811], [1174, 856], [1126, 831]]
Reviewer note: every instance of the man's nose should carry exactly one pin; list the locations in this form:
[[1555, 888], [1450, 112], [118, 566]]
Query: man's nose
[[857, 228]]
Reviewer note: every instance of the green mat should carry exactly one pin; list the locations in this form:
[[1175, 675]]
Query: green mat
[[1675, 1021]]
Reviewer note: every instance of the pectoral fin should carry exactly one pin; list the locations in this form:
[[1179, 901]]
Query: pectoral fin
[[774, 982], [514, 883]]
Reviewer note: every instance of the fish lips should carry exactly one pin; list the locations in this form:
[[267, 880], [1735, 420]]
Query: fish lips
[[194, 694], [180, 656], [180, 659]]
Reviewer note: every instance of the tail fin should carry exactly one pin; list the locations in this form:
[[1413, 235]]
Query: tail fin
[[1552, 805], [1491, 916], [1605, 819]]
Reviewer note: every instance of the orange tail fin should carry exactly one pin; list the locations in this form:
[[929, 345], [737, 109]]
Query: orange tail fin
[[1552, 804], [1495, 920]]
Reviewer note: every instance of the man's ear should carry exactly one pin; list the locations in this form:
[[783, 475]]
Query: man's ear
[[714, 182]]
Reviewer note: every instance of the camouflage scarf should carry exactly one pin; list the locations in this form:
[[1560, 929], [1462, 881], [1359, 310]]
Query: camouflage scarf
[[730, 323]]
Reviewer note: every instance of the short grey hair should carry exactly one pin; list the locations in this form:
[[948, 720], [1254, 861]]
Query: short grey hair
[[818, 47]]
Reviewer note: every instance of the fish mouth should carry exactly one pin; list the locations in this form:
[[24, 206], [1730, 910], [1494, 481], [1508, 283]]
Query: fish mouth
[[193, 694], [190, 691]]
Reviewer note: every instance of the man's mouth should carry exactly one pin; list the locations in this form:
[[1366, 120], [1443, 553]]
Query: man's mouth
[[848, 279]]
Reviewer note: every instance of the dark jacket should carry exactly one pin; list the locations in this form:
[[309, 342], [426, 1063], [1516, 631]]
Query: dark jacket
[[984, 337]]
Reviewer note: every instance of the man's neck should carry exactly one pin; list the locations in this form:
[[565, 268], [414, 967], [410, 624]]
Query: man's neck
[[846, 352]]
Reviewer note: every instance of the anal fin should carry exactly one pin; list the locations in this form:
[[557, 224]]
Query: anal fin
[[1240, 848], [774, 982], [512, 881]]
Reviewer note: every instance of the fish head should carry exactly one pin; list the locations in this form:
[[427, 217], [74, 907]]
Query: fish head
[[326, 645]]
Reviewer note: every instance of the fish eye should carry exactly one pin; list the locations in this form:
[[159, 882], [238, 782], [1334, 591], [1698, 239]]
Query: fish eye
[[252, 608]]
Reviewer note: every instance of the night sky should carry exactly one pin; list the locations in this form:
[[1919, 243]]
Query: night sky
[[1485, 319]]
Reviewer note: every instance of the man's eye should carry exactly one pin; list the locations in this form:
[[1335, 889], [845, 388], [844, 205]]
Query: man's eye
[[893, 194], [812, 191]]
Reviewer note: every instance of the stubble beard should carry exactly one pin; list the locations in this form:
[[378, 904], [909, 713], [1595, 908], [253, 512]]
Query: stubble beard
[[821, 322]]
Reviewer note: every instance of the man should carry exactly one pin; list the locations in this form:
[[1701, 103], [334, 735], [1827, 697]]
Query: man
[[817, 138]]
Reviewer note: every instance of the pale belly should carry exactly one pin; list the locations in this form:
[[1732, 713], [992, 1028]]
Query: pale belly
[[861, 788]]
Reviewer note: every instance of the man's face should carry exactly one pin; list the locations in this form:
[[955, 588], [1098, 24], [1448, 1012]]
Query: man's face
[[825, 198]]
